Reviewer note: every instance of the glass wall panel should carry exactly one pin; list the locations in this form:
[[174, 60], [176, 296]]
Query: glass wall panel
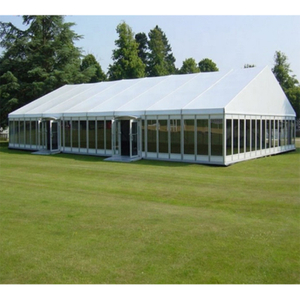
[[163, 136], [67, 127], [216, 137], [189, 136], [258, 133], [235, 136], [228, 137], [202, 137], [22, 128], [253, 138], [151, 135], [242, 136], [92, 134], [11, 131], [289, 133], [75, 134], [17, 130], [108, 135], [100, 134], [175, 134], [33, 132], [82, 134], [268, 133], [248, 135], [263, 134], [272, 133], [276, 135], [27, 132], [143, 135]]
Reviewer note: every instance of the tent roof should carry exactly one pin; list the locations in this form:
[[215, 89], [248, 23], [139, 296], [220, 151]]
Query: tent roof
[[244, 91]]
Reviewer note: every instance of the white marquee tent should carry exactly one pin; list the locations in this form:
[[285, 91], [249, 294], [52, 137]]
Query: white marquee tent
[[216, 118]]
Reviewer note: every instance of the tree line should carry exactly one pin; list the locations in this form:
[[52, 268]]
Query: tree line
[[43, 57]]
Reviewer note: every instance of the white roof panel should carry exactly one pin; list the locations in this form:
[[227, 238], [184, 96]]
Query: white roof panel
[[253, 90]]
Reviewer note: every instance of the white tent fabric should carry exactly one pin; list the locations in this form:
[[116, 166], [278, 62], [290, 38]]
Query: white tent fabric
[[244, 91]]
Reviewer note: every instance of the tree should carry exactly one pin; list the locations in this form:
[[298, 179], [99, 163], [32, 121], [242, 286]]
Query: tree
[[281, 71], [189, 66], [288, 83], [142, 40], [161, 59], [127, 63], [207, 65], [37, 60], [90, 62]]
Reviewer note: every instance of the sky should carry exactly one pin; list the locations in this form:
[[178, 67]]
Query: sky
[[231, 41]]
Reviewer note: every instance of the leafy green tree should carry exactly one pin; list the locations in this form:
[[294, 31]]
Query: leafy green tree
[[189, 66], [127, 63], [90, 62], [161, 60], [142, 40], [37, 60], [207, 65], [289, 83]]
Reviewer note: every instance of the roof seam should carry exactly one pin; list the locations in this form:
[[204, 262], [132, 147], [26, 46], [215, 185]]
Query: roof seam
[[172, 92], [46, 111], [116, 94], [105, 89], [166, 77], [209, 88]]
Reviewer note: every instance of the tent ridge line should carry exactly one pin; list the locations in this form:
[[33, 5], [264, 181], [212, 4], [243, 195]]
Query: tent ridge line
[[209, 88]]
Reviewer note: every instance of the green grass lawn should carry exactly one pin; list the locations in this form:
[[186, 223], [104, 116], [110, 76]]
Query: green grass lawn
[[79, 219]]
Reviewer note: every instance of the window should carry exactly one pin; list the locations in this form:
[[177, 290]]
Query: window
[[163, 136], [175, 133], [92, 134], [82, 134], [22, 126], [75, 134], [151, 135], [100, 134], [216, 137], [253, 138], [189, 137], [143, 135], [242, 136], [108, 135], [228, 137], [33, 132], [258, 132], [235, 136], [248, 136], [67, 126], [202, 137]]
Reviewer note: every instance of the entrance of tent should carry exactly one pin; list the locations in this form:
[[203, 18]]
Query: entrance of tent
[[125, 139], [49, 135]]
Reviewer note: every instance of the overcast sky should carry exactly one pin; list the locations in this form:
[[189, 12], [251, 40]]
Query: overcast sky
[[231, 41]]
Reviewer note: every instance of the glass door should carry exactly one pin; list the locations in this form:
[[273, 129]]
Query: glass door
[[54, 135], [133, 138], [116, 136]]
